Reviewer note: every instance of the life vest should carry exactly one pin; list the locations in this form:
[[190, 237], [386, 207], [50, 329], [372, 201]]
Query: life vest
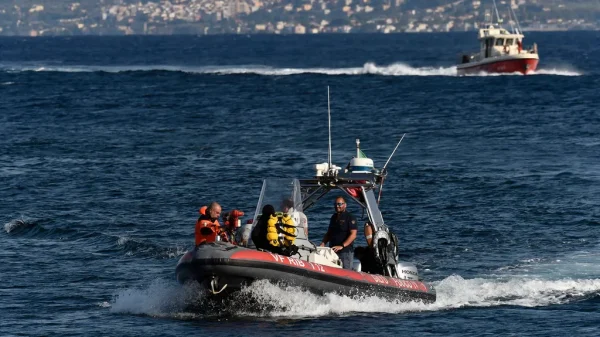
[[356, 192], [353, 191], [232, 224], [209, 231], [281, 230]]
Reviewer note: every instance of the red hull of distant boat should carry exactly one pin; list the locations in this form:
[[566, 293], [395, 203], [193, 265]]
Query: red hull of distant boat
[[521, 65]]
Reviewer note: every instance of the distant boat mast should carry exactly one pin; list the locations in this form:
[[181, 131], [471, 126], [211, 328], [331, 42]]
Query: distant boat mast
[[519, 31], [497, 15]]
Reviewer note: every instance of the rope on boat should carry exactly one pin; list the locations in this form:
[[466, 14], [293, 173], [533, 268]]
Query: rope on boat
[[213, 283]]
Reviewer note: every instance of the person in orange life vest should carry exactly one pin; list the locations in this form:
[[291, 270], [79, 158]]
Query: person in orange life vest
[[519, 45], [208, 219]]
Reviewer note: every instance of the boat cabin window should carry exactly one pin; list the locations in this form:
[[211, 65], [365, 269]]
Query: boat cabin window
[[509, 42], [499, 42]]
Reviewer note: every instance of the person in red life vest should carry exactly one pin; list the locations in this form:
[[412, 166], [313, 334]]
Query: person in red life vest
[[231, 224], [519, 46], [208, 227]]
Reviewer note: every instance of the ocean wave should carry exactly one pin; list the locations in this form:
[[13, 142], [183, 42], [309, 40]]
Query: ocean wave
[[24, 226], [104, 242], [452, 292], [160, 298], [266, 299], [33, 228], [141, 248], [542, 71], [557, 72], [455, 292], [16, 225], [394, 69]]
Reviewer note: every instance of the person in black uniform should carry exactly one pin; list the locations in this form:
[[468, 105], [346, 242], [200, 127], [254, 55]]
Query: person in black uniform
[[341, 233], [259, 233]]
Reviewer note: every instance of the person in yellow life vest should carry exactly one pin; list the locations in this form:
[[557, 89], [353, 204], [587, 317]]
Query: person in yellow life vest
[[208, 227], [281, 234]]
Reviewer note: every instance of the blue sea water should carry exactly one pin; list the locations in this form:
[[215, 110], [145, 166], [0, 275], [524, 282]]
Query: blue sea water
[[109, 145]]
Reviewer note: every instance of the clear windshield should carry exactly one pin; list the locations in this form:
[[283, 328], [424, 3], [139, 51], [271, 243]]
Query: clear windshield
[[281, 193]]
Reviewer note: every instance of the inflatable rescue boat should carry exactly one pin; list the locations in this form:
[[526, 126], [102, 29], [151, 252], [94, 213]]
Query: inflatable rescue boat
[[224, 267]]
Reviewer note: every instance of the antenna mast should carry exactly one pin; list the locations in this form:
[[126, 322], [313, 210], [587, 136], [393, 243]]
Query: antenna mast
[[329, 127], [497, 15], [516, 20], [384, 174], [396, 148], [510, 20]]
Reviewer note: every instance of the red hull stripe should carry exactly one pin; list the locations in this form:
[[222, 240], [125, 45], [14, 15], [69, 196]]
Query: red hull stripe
[[315, 267], [523, 66]]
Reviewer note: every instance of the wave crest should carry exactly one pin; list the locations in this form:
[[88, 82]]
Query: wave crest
[[17, 225], [369, 68], [160, 298], [266, 299]]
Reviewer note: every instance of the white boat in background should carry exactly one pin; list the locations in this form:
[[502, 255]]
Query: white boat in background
[[501, 51]]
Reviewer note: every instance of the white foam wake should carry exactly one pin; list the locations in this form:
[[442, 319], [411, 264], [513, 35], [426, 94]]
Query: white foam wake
[[452, 292], [532, 283], [395, 69], [161, 299], [557, 72], [552, 72]]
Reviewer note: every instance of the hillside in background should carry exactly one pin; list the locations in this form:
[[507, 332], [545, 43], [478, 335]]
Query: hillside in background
[[117, 17]]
